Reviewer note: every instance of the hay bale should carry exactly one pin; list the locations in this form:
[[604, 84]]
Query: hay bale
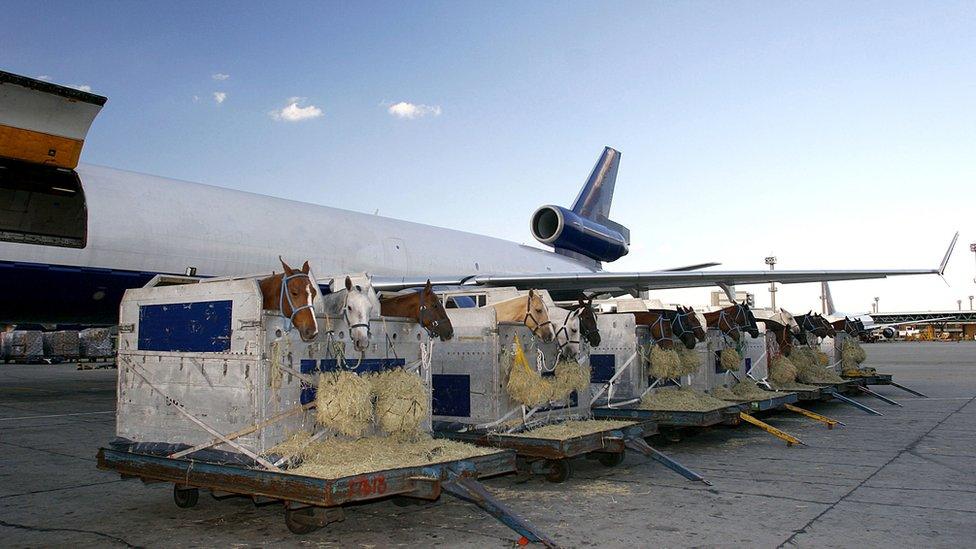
[[782, 370], [808, 367], [343, 403], [690, 361], [665, 364], [683, 399], [822, 358], [851, 355], [525, 384], [730, 359], [570, 376], [401, 403]]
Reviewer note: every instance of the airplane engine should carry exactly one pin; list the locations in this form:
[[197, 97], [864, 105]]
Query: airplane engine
[[562, 228], [889, 333]]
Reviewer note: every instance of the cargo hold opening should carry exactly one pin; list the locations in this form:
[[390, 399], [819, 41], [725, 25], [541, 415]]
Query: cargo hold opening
[[42, 205]]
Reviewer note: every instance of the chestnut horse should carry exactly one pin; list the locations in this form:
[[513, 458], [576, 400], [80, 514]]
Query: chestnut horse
[[530, 310], [659, 325], [423, 306], [291, 293], [733, 320], [846, 325]]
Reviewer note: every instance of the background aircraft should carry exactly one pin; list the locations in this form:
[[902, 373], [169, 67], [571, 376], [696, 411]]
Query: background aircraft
[[887, 331], [74, 238]]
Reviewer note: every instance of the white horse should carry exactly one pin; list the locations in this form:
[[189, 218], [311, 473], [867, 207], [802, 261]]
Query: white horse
[[356, 304], [568, 333]]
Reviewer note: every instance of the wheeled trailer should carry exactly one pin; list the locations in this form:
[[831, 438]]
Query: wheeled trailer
[[311, 503]]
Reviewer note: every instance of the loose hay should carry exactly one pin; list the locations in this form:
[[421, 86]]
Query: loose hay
[[690, 361], [851, 355], [747, 389], [665, 364], [794, 386], [571, 429], [723, 393], [401, 402], [730, 359], [782, 370], [343, 403], [684, 399], [338, 458], [570, 376], [808, 367]]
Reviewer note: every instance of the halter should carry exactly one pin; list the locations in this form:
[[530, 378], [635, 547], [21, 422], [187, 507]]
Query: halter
[[722, 314], [658, 322], [345, 316], [585, 331], [423, 314], [528, 315], [679, 318], [566, 331], [285, 295]]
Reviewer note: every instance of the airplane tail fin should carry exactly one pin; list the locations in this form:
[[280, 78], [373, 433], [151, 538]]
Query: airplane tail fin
[[594, 199], [827, 299]]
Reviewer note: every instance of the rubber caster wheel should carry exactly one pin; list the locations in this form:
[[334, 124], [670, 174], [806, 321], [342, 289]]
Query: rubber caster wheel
[[611, 459], [301, 521], [559, 470], [185, 498]]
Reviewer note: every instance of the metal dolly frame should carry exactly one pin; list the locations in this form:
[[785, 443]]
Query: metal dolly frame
[[311, 503]]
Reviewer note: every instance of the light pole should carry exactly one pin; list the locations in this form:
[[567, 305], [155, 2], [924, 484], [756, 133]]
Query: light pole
[[959, 304], [771, 261], [876, 305], [972, 248], [970, 303]]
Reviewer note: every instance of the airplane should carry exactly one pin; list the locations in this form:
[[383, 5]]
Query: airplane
[[74, 237], [871, 328]]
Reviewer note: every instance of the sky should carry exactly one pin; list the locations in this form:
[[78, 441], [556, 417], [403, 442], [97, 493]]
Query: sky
[[828, 134]]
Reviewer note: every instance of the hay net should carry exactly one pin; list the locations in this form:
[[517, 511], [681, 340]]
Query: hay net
[[811, 366], [527, 386], [852, 355], [730, 359]]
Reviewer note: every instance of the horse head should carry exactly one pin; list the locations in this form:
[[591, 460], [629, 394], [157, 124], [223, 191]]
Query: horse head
[[432, 316], [537, 317], [568, 335], [686, 326], [291, 293], [587, 322], [358, 306]]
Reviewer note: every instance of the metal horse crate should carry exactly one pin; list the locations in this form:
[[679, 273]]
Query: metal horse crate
[[471, 403], [209, 382]]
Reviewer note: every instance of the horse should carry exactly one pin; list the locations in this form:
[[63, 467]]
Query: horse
[[732, 320], [356, 305], [587, 322], [568, 334], [846, 325], [781, 324], [685, 326], [815, 324], [292, 293], [422, 305], [659, 325], [529, 310]]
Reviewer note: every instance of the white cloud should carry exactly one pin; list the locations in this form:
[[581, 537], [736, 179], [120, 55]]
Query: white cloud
[[293, 112], [196, 98], [219, 76], [81, 87], [219, 97], [411, 111]]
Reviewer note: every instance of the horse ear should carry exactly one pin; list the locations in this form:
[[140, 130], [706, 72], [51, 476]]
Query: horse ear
[[348, 284], [305, 268], [288, 270], [429, 288]]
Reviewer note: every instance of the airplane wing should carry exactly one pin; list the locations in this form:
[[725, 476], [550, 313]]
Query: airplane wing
[[694, 267], [623, 282]]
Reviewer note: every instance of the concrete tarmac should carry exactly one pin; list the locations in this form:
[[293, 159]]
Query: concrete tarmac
[[905, 479]]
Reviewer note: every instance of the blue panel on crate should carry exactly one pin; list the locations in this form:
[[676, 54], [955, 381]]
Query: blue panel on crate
[[364, 366], [308, 393], [200, 327], [307, 366], [451, 395], [602, 368], [748, 364]]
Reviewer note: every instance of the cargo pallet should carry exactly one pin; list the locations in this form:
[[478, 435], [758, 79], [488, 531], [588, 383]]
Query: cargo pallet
[[552, 457], [311, 503]]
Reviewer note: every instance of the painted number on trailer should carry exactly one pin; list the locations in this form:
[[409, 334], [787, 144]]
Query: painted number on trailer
[[367, 486]]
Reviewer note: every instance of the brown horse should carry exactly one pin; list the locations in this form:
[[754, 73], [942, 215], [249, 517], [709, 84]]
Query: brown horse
[[659, 325], [423, 306], [685, 326], [587, 322], [816, 324], [530, 310], [733, 320], [782, 335], [846, 325], [291, 293]]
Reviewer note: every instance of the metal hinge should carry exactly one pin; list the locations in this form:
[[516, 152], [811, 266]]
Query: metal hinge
[[127, 328], [249, 324]]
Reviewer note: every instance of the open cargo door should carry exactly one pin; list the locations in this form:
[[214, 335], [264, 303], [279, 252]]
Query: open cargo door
[[42, 131]]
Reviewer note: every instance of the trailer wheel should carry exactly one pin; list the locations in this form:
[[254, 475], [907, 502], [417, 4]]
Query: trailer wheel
[[301, 521], [611, 459], [559, 470], [185, 498]]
